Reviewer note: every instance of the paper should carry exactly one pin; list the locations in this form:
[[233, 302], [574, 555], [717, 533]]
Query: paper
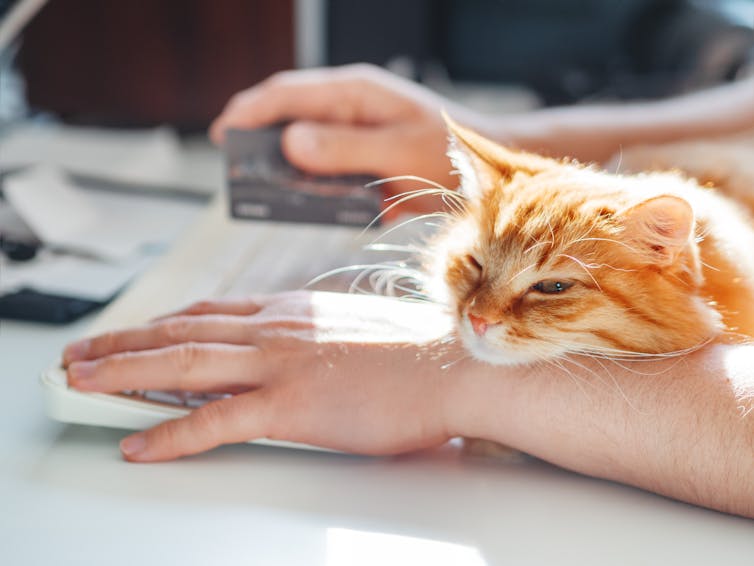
[[147, 158], [13, 226], [69, 276], [108, 226]]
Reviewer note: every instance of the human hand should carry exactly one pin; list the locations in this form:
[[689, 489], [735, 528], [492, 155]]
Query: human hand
[[352, 119], [348, 372]]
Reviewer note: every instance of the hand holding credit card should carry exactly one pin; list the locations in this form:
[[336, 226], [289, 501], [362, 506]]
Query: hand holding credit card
[[263, 185]]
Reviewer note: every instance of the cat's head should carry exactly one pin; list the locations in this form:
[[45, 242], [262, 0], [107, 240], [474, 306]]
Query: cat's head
[[552, 257]]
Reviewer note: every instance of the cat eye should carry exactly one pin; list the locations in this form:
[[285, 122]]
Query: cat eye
[[552, 286]]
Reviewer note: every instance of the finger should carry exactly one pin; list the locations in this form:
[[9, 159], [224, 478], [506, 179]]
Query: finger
[[235, 307], [164, 332], [189, 367], [236, 419], [278, 100], [351, 94], [333, 149]]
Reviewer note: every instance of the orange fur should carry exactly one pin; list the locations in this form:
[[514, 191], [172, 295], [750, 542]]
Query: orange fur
[[656, 264]]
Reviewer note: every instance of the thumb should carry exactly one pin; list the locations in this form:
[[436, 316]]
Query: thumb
[[235, 419], [338, 149]]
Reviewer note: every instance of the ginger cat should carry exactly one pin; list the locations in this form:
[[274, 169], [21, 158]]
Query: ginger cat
[[553, 257]]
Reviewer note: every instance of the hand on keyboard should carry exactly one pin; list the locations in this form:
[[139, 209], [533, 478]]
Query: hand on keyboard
[[354, 373]]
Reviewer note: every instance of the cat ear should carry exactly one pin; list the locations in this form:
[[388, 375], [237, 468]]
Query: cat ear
[[659, 228], [483, 163]]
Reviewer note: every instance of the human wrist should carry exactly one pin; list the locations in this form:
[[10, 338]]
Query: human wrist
[[478, 399]]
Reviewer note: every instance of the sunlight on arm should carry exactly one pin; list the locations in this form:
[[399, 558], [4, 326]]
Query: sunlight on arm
[[374, 319], [738, 369]]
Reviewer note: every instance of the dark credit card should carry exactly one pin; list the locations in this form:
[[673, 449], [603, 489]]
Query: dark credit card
[[264, 186]]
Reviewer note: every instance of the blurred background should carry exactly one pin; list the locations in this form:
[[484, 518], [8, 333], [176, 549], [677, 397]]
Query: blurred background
[[104, 106], [149, 62]]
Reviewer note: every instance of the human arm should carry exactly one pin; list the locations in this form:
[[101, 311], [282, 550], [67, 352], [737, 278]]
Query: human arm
[[351, 119], [595, 132], [679, 427], [362, 119], [377, 376]]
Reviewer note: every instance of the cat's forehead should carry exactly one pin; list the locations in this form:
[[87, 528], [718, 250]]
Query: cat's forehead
[[548, 207], [536, 218], [525, 213]]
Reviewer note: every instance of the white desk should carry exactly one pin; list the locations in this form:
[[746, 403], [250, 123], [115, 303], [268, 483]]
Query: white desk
[[67, 498]]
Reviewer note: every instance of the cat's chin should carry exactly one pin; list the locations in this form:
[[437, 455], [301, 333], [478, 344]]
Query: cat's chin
[[483, 351]]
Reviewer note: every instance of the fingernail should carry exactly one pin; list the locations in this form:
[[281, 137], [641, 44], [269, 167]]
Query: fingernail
[[76, 351], [82, 371], [133, 445]]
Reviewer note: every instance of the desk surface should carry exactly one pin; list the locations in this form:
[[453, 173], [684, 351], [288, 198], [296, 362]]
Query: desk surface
[[67, 497]]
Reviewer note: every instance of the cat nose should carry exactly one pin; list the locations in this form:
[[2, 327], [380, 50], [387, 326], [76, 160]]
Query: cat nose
[[478, 324]]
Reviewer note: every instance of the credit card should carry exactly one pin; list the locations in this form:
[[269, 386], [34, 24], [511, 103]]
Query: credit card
[[263, 185]]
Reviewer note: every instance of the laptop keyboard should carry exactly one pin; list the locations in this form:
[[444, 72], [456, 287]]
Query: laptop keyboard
[[284, 257]]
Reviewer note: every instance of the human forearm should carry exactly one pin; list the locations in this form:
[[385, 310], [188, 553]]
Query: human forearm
[[595, 132], [307, 369], [676, 427]]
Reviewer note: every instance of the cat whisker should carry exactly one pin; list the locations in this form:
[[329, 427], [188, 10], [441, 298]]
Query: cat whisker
[[559, 363], [552, 232], [449, 365], [417, 178], [627, 355], [741, 338], [618, 363], [708, 266], [608, 266], [449, 339], [406, 222], [524, 270], [597, 376], [537, 244], [458, 208], [401, 198], [405, 271], [582, 238], [704, 233], [452, 199], [620, 160], [674, 276], [568, 358], [414, 277], [381, 247], [583, 266], [617, 385], [595, 239], [338, 271], [417, 298], [387, 283], [355, 285], [428, 191]]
